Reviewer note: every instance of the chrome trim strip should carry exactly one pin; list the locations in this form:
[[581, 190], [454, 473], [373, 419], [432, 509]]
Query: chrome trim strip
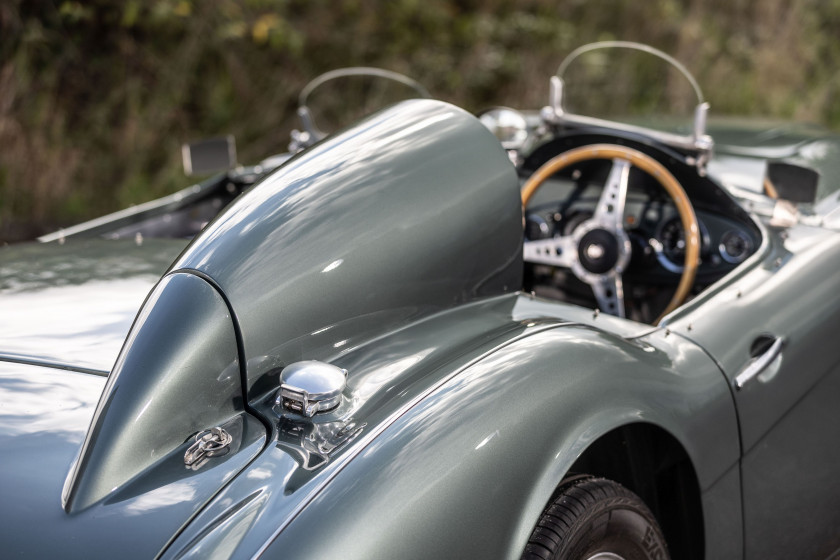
[[38, 362], [172, 202], [703, 144]]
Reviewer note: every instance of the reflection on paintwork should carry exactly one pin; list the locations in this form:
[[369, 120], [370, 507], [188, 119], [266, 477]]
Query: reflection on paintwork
[[162, 497], [374, 382], [181, 341], [91, 289], [474, 388], [99, 314], [33, 267], [486, 440], [222, 537], [333, 265], [493, 433], [44, 415], [259, 474], [39, 401], [288, 273]]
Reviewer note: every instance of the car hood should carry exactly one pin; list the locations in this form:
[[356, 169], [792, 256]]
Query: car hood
[[44, 415], [71, 305], [66, 310]]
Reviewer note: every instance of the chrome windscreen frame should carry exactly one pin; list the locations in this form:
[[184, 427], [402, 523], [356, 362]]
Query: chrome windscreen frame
[[698, 143]]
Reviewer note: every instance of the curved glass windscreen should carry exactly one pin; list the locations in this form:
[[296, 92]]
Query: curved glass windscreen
[[339, 98], [629, 83]]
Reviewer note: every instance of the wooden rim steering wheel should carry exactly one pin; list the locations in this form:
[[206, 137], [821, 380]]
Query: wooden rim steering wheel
[[598, 250]]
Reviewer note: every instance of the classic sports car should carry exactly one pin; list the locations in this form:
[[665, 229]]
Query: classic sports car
[[591, 340]]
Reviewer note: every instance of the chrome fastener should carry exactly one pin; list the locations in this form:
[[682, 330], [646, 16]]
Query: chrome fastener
[[208, 443]]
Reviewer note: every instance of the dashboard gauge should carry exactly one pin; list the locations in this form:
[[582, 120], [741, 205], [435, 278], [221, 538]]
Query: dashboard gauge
[[670, 249], [672, 238], [735, 246]]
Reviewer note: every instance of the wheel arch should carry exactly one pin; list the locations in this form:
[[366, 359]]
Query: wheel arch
[[652, 463]]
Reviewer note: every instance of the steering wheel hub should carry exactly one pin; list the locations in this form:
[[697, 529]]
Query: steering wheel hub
[[598, 250]]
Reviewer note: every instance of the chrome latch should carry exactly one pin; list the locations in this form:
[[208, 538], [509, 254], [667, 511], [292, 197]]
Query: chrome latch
[[209, 443]]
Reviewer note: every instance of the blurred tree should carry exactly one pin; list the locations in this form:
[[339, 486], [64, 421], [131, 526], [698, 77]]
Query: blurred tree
[[96, 96]]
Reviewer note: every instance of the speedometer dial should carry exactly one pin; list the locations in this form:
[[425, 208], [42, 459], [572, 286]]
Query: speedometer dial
[[670, 249], [672, 237]]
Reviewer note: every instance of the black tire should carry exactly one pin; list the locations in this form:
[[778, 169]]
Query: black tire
[[592, 516]]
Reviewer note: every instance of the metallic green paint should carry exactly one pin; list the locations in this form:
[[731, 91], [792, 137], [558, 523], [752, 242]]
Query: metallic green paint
[[364, 233], [491, 467], [178, 374], [393, 250], [44, 414], [385, 376], [477, 412], [787, 414], [91, 288]]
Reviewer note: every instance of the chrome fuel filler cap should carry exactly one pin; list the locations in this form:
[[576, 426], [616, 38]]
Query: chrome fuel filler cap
[[310, 387]]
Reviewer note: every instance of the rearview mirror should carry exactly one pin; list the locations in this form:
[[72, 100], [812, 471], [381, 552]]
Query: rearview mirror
[[209, 156]]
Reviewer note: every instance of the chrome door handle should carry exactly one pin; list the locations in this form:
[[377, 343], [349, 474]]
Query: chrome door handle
[[760, 363]]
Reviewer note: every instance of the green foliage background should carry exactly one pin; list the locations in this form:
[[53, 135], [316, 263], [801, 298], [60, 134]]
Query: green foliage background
[[97, 96]]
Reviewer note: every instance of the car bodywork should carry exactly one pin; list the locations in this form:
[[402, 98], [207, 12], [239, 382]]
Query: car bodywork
[[394, 250]]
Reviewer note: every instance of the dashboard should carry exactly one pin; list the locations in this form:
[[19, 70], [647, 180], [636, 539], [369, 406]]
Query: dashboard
[[653, 226]]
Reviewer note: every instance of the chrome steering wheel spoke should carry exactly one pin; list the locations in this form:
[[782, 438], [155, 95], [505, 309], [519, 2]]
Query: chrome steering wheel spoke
[[609, 213], [598, 250], [556, 251], [609, 293]]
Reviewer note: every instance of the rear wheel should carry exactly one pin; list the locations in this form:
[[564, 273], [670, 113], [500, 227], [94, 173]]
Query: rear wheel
[[596, 519]]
